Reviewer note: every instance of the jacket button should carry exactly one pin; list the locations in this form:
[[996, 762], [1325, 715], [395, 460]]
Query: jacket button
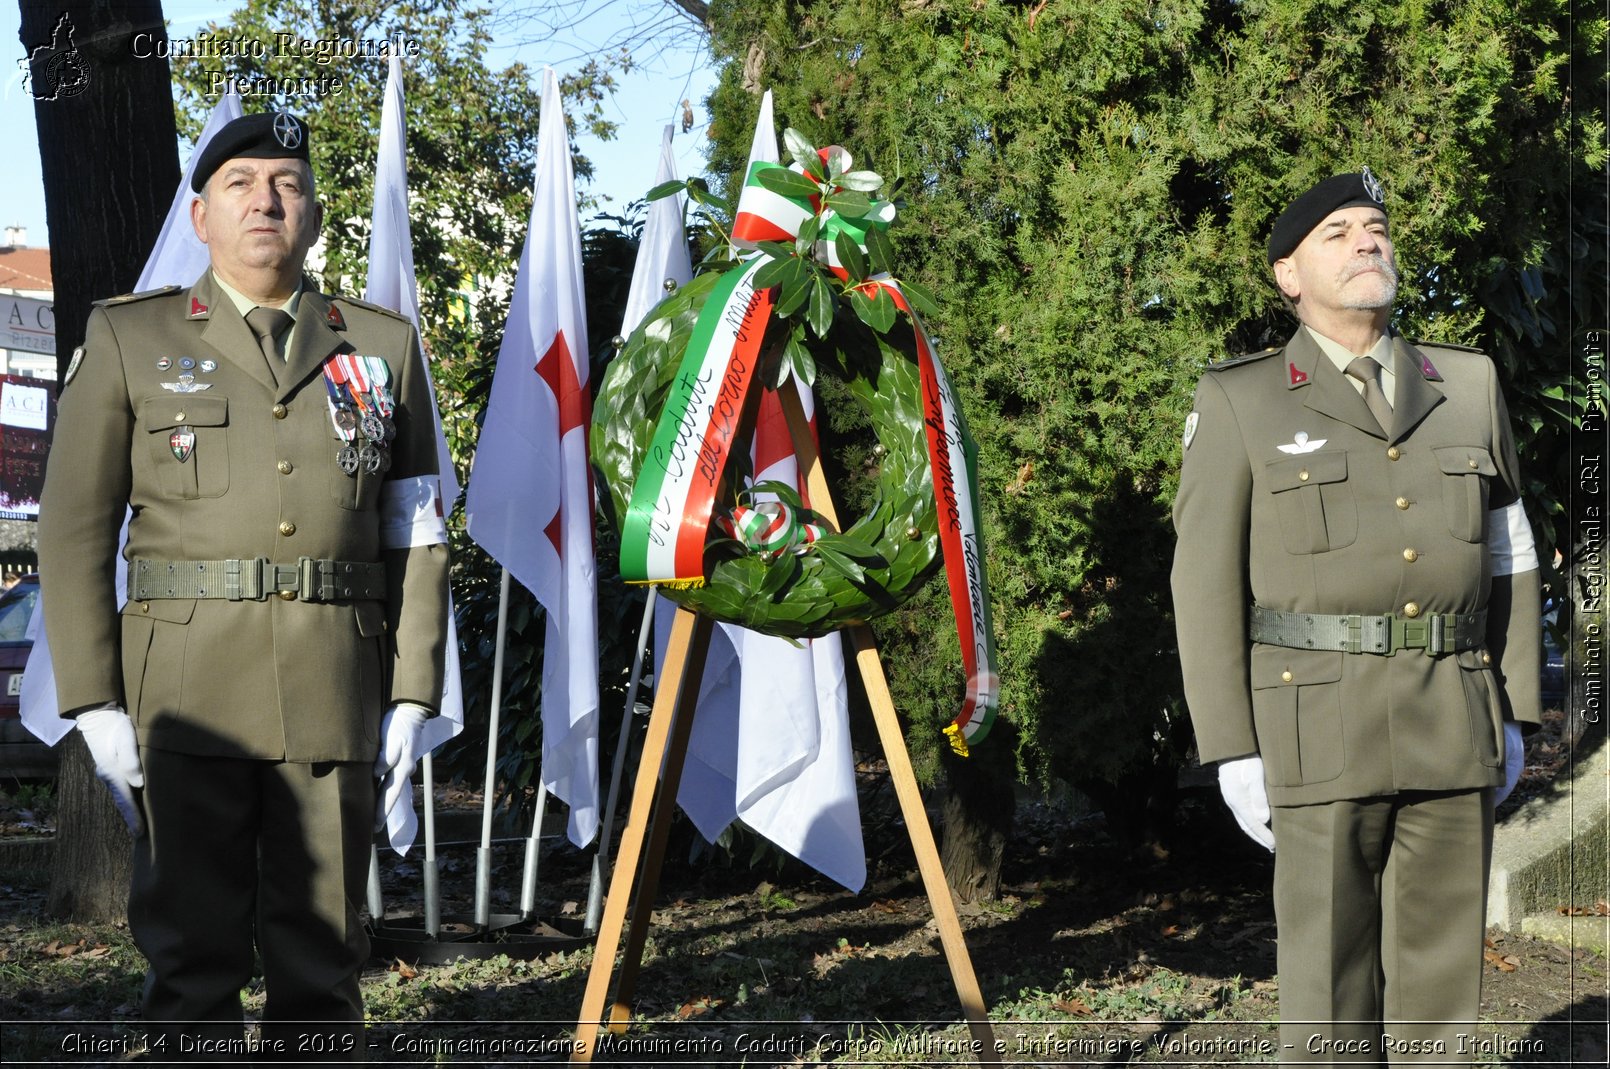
[[1402, 503], [179, 416], [287, 595], [1473, 463], [1302, 476], [287, 528], [1412, 609], [279, 411], [1285, 677], [145, 606], [1393, 453], [285, 467], [1410, 555], [1486, 658]]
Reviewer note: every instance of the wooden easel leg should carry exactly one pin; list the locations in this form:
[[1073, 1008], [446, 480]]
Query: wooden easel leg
[[664, 748], [894, 751], [922, 842]]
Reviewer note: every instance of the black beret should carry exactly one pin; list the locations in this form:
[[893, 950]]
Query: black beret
[[272, 135], [1359, 189]]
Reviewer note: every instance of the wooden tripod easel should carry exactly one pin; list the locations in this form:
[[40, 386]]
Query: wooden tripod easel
[[665, 747]]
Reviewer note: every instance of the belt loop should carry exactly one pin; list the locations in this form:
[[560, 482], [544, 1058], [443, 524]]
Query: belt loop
[[1354, 642], [232, 589], [1434, 644]]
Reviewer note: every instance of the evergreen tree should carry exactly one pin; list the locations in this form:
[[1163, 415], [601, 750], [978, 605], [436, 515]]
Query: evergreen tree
[[1088, 186]]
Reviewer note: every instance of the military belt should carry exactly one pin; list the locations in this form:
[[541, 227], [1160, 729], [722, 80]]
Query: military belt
[[256, 579], [1435, 633]]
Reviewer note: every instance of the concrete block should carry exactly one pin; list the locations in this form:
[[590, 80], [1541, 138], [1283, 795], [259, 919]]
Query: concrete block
[[1554, 850]]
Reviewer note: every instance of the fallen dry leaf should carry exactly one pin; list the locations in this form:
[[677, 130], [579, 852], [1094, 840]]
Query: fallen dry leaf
[[1501, 962], [1072, 1005], [404, 970]]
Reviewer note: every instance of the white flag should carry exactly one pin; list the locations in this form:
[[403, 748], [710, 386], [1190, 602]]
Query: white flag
[[392, 284], [771, 741], [530, 503], [177, 259]]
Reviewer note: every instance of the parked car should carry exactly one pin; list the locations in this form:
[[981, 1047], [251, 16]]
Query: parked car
[[21, 755]]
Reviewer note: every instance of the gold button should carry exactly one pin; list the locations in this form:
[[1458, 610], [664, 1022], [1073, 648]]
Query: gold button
[[1285, 677], [1473, 462], [1402, 503], [1303, 475], [279, 411], [287, 595], [1410, 555], [179, 416], [1486, 658], [287, 528], [145, 606], [284, 467], [1411, 610], [1393, 453]]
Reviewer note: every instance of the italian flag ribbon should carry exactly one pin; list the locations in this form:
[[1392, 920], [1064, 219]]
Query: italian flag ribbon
[[663, 535]]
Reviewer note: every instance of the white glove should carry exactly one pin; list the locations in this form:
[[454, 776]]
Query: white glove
[[109, 734], [1241, 783], [1514, 760], [400, 732]]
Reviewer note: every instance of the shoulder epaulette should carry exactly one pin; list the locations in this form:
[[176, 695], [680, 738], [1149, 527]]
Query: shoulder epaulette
[[129, 298], [1445, 345], [368, 307], [1237, 361]]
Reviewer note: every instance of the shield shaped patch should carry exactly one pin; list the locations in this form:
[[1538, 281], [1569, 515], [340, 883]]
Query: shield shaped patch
[[183, 443]]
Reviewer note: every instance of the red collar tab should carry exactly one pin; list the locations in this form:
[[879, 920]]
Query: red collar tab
[[197, 308], [1428, 369], [334, 319], [1298, 376]]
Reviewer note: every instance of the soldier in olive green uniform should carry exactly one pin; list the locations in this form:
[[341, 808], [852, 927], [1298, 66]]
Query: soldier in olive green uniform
[[1357, 599], [287, 595]]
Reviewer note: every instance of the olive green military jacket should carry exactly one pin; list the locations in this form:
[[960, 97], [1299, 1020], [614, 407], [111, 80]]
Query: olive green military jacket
[[303, 680], [1293, 498]]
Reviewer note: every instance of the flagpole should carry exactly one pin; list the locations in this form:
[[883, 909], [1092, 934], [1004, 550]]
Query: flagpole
[[483, 855], [601, 867], [433, 901], [533, 848]]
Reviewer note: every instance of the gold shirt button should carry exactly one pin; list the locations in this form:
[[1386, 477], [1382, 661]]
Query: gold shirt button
[[279, 411], [284, 467], [1402, 503], [1410, 555], [1411, 610], [1285, 677], [1393, 453], [287, 528]]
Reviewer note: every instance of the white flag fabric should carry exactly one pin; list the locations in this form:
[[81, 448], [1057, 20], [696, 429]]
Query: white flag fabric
[[392, 284], [771, 740], [177, 259], [530, 501]]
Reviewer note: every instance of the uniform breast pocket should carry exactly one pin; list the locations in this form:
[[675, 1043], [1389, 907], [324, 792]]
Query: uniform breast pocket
[[1466, 471], [188, 438], [359, 491], [1314, 501]]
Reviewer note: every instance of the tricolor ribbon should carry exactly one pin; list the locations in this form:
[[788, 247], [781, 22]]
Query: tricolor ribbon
[[663, 536], [669, 517]]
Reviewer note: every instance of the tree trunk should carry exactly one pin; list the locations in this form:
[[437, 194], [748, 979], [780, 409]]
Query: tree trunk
[[978, 810], [91, 864], [109, 158]]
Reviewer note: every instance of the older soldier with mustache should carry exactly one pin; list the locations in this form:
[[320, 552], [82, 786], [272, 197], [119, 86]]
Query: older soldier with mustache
[[1356, 594]]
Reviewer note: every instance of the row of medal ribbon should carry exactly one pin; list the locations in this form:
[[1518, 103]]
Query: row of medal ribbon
[[359, 389]]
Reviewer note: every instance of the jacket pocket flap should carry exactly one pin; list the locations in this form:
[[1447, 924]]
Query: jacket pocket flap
[[371, 618], [168, 610], [1289, 473], [183, 410], [1465, 460], [1280, 666]]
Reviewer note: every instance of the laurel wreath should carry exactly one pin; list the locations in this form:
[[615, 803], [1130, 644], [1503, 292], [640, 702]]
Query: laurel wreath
[[822, 322]]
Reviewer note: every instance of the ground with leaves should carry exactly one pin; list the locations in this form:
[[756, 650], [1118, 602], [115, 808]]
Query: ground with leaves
[[1097, 953]]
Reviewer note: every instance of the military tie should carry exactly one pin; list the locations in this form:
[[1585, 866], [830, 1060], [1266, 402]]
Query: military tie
[[270, 324], [1368, 371]]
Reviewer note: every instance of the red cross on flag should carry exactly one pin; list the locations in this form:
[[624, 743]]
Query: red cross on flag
[[530, 501]]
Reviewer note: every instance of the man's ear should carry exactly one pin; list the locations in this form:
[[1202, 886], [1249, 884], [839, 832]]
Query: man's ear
[[198, 218], [1286, 277]]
